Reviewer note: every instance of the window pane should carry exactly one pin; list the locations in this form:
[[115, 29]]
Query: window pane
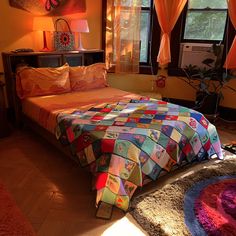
[[144, 35], [127, 3], [201, 4], [205, 25], [146, 3]]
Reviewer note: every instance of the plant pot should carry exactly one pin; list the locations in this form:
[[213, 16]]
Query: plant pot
[[207, 103]]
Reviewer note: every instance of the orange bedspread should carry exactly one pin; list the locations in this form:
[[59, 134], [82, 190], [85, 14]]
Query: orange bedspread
[[44, 109]]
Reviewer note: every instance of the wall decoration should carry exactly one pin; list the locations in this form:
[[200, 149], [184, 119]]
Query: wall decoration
[[50, 7]]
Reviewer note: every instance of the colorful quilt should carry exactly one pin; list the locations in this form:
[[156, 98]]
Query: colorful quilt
[[127, 143]]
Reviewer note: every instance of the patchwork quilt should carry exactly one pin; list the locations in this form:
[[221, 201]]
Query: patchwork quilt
[[127, 143]]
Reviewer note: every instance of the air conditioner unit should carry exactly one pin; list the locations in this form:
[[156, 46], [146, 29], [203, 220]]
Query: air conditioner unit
[[194, 54]]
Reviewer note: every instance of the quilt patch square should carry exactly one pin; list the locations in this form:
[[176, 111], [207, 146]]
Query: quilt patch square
[[150, 112], [167, 130], [121, 147], [159, 117], [133, 153], [148, 167], [163, 140], [196, 116], [96, 109], [97, 117], [131, 124], [148, 146], [159, 155], [89, 127], [101, 180], [107, 145], [108, 196], [175, 135], [103, 163], [133, 119], [155, 172], [122, 202], [121, 119], [113, 183]]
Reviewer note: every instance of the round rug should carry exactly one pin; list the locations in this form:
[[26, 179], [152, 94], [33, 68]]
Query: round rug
[[175, 210], [210, 207]]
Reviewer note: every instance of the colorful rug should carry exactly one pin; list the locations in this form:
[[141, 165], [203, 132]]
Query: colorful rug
[[12, 221], [210, 206], [201, 203]]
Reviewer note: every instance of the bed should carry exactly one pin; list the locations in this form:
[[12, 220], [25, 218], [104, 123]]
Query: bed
[[125, 140]]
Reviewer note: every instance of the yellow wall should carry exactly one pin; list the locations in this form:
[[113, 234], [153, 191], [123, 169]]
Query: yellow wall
[[175, 87]]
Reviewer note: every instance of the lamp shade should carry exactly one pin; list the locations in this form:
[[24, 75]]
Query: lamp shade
[[79, 26], [43, 24]]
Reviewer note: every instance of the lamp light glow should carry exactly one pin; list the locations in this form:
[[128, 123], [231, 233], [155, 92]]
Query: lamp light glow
[[43, 24], [80, 26]]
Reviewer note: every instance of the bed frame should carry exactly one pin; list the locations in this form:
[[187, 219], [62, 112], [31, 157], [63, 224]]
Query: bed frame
[[40, 59], [45, 134]]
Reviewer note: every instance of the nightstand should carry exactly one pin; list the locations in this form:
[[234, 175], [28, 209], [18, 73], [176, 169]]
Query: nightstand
[[4, 128]]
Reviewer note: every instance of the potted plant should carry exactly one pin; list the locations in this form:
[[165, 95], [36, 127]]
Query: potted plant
[[208, 82]]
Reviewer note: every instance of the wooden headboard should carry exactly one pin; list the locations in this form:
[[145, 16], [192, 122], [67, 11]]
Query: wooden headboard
[[40, 59]]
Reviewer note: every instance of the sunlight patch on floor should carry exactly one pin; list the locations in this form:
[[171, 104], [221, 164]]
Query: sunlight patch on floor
[[124, 226]]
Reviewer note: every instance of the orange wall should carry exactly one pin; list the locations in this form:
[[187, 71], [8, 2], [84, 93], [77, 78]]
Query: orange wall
[[16, 28]]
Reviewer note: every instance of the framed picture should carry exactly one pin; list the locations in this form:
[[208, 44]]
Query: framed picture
[[50, 7]]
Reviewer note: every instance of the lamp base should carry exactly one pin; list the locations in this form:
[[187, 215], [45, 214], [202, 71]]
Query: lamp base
[[45, 50], [80, 48], [45, 46]]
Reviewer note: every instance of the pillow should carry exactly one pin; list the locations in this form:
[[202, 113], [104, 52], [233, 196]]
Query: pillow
[[32, 82], [88, 77]]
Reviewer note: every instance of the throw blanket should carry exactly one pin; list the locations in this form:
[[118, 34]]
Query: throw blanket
[[125, 144]]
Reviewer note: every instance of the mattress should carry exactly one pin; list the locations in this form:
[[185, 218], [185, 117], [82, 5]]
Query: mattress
[[44, 109]]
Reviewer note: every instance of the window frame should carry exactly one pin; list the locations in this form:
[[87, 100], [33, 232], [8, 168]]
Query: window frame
[[177, 38], [150, 31]]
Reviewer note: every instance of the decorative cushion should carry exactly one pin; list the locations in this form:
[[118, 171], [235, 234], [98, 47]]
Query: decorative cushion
[[88, 77], [32, 82]]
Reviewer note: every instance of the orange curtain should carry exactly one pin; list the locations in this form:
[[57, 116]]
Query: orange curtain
[[168, 12], [230, 61], [123, 35]]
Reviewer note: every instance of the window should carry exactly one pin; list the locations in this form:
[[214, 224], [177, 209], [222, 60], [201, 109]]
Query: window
[[201, 22], [205, 20], [149, 35], [145, 25]]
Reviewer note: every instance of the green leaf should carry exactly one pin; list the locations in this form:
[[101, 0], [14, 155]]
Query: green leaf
[[208, 62]]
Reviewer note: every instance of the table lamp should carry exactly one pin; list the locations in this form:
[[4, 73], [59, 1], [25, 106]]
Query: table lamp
[[43, 24], [80, 26]]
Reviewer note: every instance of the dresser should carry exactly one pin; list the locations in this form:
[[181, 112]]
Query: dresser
[[41, 59]]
